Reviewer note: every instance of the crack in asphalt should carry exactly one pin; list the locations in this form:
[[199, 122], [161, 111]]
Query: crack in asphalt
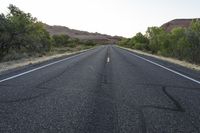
[[103, 100], [43, 94], [178, 107], [40, 85], [100, 105]]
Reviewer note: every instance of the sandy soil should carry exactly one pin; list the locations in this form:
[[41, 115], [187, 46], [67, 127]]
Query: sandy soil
[[4, 66], [172, 60]]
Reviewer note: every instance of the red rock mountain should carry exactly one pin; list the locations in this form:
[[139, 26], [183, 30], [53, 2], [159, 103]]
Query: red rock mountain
[[177, 23], [82, 35]]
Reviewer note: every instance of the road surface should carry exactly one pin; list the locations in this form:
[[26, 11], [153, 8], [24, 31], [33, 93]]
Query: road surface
[[103, 90]]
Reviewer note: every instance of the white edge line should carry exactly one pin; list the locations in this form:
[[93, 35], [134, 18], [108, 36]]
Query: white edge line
[[41, 67], [189, 78]]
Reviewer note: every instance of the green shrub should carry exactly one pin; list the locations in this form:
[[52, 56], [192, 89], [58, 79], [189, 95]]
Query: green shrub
[[90, 43], [60, 40], [141, 46], [21, 33], [181, 43]]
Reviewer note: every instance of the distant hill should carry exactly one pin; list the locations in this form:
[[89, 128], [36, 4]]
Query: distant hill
[[82, 35], [177, 23]]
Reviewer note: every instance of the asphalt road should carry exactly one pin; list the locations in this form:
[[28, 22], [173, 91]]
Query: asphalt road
[[103, 90]]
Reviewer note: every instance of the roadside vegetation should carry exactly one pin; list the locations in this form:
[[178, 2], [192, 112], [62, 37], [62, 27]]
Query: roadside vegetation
[[22, 36], [180, 43]]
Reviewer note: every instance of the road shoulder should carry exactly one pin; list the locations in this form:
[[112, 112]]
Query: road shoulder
[[168, 59], [6, 67]]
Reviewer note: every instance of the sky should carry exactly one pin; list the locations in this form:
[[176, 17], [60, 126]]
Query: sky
[[113, 17]]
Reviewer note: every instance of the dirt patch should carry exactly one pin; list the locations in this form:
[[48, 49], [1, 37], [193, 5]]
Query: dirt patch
[[171, 60]]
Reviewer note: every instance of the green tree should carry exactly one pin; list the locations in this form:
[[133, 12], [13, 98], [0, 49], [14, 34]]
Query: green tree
[[178, 43], [140, 42], [193, 37], [158, 40], [181, 43], [124, 42], [5, 36], [21, 33]]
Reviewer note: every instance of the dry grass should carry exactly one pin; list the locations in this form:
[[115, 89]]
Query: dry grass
[[171, 60]]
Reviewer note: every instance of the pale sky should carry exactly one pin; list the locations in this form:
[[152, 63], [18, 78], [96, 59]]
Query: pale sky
[[113, 17]]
